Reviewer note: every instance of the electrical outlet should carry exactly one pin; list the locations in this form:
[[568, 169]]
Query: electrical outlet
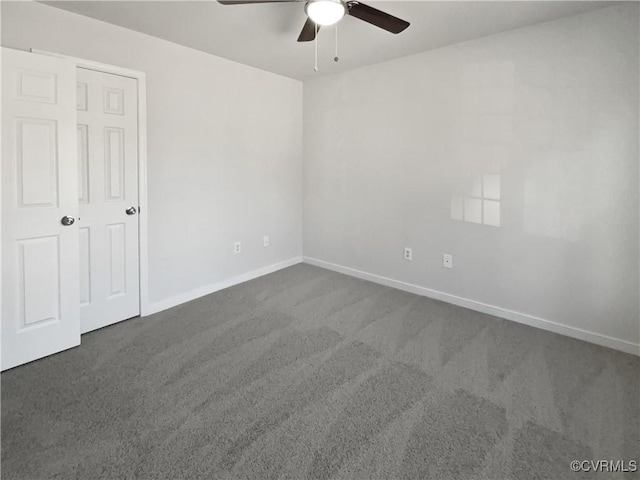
[[408, 253], [447, 260], [265, 241], [237, 247]]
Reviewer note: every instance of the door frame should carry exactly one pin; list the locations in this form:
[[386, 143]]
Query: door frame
[[143, 225]]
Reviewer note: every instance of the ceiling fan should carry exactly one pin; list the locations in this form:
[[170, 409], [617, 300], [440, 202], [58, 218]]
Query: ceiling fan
[[328, 12]]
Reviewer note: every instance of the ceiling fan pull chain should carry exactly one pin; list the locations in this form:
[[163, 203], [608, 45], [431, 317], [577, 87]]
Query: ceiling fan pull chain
[[315, 25], [335, 59]]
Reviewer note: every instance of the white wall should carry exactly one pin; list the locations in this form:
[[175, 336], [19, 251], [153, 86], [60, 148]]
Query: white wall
[[552, 110], [224, 149]]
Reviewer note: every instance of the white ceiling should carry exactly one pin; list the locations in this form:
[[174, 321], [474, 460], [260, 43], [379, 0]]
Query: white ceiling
[[264, 36]]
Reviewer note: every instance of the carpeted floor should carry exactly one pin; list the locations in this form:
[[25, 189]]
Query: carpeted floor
[[307, 373]]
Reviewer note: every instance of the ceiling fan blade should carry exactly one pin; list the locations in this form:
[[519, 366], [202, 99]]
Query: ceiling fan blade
[[246, 2], [377, 17], [308, 32]]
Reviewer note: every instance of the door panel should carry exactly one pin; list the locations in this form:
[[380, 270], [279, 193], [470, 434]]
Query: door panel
[[40, 314], [85, 266], [38, 273], [108, 149], [116, 251], [114, 160], [83, 164], [36, 159], [36, 86]]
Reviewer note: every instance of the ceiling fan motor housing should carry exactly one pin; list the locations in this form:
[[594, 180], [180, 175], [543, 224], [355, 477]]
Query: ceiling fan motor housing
[[325, 12]]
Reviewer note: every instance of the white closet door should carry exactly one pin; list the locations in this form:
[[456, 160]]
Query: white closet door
[[108, 198], [40, 313]]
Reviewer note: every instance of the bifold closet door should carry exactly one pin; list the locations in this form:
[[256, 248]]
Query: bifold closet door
[[40, 288], [107, 109]]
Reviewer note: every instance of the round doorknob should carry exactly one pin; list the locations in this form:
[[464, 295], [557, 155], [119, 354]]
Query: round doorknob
[[67, 220], [131, 211]]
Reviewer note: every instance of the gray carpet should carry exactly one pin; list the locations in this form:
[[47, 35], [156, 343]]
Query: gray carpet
[[307, 373]]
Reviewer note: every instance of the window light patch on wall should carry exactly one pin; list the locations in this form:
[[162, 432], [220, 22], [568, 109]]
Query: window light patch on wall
[[482, 204]]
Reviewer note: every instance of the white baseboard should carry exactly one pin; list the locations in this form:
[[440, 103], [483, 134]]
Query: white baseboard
[[580, 334], [207, 289]]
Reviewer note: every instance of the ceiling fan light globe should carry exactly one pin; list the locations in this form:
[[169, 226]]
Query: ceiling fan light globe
[[325, 12]]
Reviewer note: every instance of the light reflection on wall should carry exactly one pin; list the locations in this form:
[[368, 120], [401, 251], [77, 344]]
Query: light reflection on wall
[[482, 203]]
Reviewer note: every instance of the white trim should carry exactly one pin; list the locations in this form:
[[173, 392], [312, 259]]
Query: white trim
[[143, 209], [215, 287], [143, 204], [91, 65], [526, 319]]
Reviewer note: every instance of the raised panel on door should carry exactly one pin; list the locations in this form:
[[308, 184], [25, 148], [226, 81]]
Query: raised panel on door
[[85, 265], [36, 162], [116, 260], [81, 96], [40, 313], [36, 86], [114, 163], [107, 111], [113, 101], [83, 163], [38, 280]]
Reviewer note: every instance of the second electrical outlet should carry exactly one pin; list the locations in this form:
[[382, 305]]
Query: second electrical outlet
[[408, 253], [236, 247]]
